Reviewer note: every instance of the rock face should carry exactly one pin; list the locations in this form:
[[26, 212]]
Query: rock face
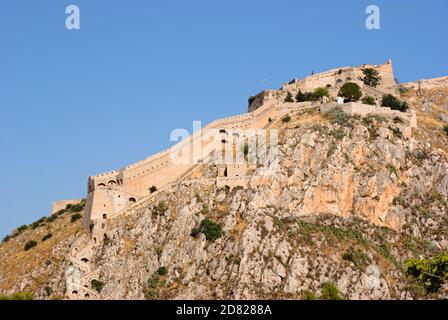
[[349, 202]]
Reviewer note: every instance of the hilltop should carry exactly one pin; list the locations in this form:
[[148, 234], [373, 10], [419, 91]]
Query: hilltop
[[357, 192]]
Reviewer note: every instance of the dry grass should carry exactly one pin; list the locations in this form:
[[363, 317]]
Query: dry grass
[[40, 262]]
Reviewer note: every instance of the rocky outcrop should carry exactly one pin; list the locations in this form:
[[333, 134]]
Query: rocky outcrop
[[348, 203]]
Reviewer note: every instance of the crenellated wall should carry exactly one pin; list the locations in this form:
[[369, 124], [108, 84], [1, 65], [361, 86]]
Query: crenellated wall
[[335, 78], [113, 192]]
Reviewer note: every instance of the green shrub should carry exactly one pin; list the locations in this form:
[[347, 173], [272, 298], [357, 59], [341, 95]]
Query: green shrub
[[330, 292], [340, 117], [369, 100], [53, 217], [195, 232], [18, 296], [246, 150], [76, 207], [46, 237], [97, 285], [358, 257], [430, 273], [6, 238], [153, 287], [308, 295], [76, 217], [286, 119], [162, 271], [204, 209], [320, 93], [37, 223], [338, 133], [48, 291], [210, 229], [312, 96], [350, 91], [60, 212], [29, 244], [289, 97], [160, 209], [152, 189], [392, 102], [371, 77], [304, 96]]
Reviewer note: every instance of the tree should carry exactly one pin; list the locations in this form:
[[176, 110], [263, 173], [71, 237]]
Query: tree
[[369, 100], [390, 101], [303, 96], [75, 217], [371, 77], [320, 93], [209, 228], [430, 273], [312, 96], [350, 91], [446, 129], [330, 292], [289, 97], [162, 271]]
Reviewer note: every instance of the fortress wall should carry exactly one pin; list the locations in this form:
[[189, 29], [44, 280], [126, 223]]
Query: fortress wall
[[134, 180], [427, 84], [62, 204], [409, 119], [337, 77]]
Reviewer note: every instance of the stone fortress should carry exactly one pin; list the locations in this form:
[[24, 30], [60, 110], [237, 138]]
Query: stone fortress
[[124, 191], [112, 193]]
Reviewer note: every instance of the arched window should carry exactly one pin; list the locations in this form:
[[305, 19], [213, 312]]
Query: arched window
[[87, 296], [111, 183], [101, 185], [328, 86], [132, 200], [74, 292], [104, 216], [225, 172], [85, 260], [348, 79]]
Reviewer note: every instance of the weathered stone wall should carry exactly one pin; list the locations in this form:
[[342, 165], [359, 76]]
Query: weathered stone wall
[[407, 120], [425, 84], [62, 204], [114, 191]]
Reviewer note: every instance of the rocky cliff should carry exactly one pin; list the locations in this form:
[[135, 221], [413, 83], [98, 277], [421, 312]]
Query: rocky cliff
[[350, 202]]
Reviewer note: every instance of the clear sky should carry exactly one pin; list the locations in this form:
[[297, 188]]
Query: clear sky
[[76, 103]]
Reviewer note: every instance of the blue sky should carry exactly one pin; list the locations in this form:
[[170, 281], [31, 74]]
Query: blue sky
[[76, 103]]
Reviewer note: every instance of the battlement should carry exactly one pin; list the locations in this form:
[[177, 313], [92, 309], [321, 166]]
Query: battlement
[[113, 192]]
